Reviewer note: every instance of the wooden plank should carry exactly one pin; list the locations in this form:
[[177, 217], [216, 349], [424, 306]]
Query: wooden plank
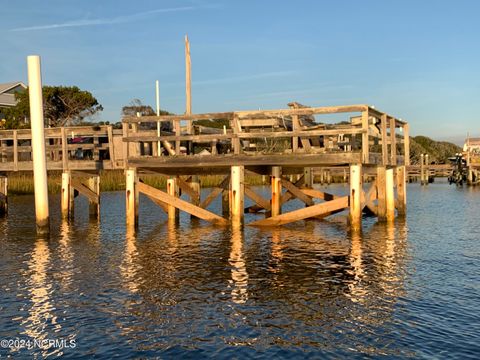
[[295, 127], [319, 194], [369, 197], [181, 204], [288, 195], [303, 111], [237, 129], [259, 200], [305, 213], [169, 118], [84, 190], [297, 192], [215, 192], [185, 186]]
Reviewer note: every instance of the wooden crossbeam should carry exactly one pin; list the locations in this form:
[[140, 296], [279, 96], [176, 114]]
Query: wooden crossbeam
[[305, 213], [317, 194], [259, 200], [215, 192], [84, 190], [181, 204], [288, 195], [185, 186], [297, 192], [162, 205], [369, 197]]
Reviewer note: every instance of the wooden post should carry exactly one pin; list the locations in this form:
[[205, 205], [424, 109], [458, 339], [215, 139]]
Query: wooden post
[[15, 150], [3, 195], [195, 185], [427, 169], [406, 144], [226, 202], [308, 177], [38, 145], [401, 191], [381, 193], [67, 194], [295, 127], [365, 144], [159, 124], [111, 148], [131, 198], [390, 195], [94, 207], [276, 204], [64, 149], [355, 215], [126, 145], [393, 142], [383, 124], [237, 194], [172, 189]]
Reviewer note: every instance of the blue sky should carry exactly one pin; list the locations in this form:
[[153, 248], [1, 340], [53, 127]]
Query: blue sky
[[418, 60]]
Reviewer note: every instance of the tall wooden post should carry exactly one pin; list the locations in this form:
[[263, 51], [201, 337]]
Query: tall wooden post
[[94, 207], [237, 194], [401, 191], [66, 195], [3, 195], [406, 144], [172, 189], [188, 91], [131, 198], [427, 169], [276, 190], [38, 144], [381, 193], [159, 124], [390, 195], [365, 144], [355, 216]]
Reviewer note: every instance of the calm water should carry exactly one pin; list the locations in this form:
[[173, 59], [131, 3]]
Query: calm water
[[304, 290]]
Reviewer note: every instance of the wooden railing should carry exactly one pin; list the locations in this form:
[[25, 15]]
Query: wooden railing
[[379, 138], [75, 148]]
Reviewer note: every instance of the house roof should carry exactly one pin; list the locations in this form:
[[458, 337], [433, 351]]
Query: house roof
[[7, 92], [473, 141]]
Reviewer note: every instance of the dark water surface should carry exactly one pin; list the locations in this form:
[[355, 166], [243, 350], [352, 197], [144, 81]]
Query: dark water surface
[[304, 290]]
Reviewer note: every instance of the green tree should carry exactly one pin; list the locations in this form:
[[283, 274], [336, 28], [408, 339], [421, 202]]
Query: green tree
[[62, 105]]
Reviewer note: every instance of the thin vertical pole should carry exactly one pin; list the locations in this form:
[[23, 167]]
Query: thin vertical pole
[[159, 124], [355, 215], [38, 144], [422, 169]]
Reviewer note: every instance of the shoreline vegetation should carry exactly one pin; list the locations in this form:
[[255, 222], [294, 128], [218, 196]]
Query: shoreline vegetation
[[21, 183]]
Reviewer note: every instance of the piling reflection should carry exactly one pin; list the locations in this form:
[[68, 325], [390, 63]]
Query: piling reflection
[[239, 281], [129, 267], [66, 256], [357, 290]]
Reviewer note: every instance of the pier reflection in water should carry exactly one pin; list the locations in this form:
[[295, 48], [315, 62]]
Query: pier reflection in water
[[170, 290]]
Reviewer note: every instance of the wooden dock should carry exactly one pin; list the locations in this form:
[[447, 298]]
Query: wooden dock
[[288, 145]]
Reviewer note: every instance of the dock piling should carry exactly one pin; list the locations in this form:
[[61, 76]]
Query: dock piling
[[276, 204], [390, 195], [131, 192], [38, 144], [355, 216], [237, 194]]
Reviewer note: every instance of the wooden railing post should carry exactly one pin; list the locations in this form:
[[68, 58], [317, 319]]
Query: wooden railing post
[[393, 142], [383, 124], [365, 144], [15, 150], [111, 147], [406, 144], [64, 149]]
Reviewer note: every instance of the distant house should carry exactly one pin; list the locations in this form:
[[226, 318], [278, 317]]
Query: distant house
[[472, 147], [7, 93], [7, 97]]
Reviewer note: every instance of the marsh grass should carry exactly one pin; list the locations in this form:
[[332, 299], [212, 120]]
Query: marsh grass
[[110, 180]]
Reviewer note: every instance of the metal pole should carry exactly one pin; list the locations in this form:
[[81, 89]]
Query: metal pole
[[38, 144], [157, 93]]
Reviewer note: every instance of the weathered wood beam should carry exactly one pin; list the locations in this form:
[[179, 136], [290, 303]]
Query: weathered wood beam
[[305, 213], [84, 190], [215, 192], [186, 188], [288, 195], [181, 204], [297, 192], [259, 200], [319, 194]]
